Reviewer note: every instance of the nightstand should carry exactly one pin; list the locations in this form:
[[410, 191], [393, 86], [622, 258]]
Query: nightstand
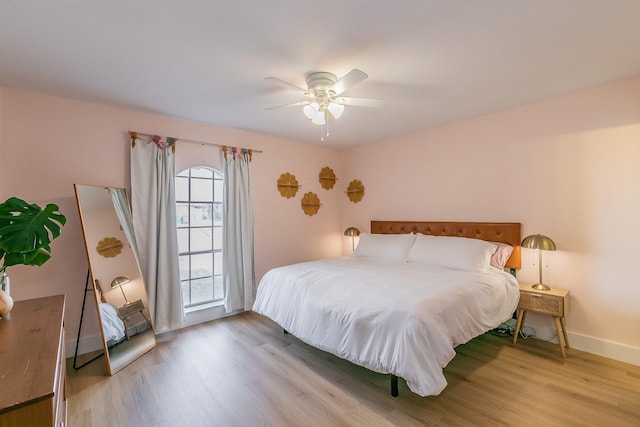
[[554, 302], [131, 314]]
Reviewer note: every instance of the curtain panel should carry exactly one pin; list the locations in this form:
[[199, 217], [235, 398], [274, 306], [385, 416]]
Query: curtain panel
[[237, 244], [154, 221], [123, 211]]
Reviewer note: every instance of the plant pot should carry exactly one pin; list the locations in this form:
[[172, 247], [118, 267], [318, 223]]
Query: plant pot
[[6, 303]]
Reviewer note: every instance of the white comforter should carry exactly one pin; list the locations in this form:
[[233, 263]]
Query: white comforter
[[112, 326], [390, 317]]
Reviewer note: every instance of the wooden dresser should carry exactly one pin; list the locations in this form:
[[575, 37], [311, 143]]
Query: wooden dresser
[[32, 364]]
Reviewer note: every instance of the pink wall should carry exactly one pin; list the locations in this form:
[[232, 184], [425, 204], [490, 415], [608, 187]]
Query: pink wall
[[49, 143], [567, 167]]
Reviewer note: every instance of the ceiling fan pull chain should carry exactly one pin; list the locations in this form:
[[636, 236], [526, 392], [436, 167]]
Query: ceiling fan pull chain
[[326, 123]]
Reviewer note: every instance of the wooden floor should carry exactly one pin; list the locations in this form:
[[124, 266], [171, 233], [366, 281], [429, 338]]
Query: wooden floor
[[243, 371]]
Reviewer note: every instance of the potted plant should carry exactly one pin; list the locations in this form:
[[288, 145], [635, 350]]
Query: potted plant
[[26, 232]]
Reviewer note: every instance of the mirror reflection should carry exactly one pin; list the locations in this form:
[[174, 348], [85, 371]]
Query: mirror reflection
[[118, 285]]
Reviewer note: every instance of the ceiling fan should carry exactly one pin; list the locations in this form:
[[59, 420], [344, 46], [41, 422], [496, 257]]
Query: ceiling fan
[[323, 93]]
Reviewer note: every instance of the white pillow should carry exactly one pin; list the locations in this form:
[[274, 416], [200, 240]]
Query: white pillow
[[388, 246], [457, 253]]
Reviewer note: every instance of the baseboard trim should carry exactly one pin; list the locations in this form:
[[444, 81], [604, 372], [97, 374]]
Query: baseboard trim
[[612, 350], [600, 347]]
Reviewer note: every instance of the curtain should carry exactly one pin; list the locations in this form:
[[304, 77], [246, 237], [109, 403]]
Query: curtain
[[154, 220], [123, 211], [237, 243]]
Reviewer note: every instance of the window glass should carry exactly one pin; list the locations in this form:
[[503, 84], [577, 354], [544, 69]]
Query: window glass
[[201, 215], [182, 214], [201, 190], [182, 188], [200, 228], [218, 189], [217, 238], [201, 239], [183, 237], [201, 172]]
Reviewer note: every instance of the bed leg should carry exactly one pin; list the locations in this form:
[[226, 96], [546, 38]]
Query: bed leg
[[394, 385], [284, 331]]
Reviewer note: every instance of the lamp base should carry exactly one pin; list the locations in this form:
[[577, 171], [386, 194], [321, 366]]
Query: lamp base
[[540, 287]]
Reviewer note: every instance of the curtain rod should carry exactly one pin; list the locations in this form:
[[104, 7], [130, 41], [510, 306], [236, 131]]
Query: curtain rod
[[134, 135]]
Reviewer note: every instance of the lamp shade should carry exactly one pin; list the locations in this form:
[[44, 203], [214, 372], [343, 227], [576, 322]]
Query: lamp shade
[[538, 241], [119, 281], [352, 232], [311, 110], [320, 118], [541, 243]]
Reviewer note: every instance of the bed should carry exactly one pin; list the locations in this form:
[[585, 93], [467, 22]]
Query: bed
[[113, 327], [410, 293]]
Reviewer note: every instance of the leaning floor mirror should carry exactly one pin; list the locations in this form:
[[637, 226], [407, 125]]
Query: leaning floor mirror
[[118, 286]]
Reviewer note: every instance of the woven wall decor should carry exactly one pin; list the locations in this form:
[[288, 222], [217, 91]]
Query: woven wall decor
[[109, 247], [355, 191], [310, 203], [288, 185], [327, 178]]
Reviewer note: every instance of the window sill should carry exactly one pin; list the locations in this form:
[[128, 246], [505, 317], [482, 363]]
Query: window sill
[[205, 313], [200, 307]]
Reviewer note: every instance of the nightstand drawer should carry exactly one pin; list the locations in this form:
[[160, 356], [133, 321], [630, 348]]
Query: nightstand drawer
[[547, 304], [131, 308]]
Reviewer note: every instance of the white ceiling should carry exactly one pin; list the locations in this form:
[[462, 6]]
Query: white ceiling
[[434, 61]]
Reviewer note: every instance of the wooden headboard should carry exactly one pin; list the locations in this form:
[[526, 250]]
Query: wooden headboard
[[504, 232]]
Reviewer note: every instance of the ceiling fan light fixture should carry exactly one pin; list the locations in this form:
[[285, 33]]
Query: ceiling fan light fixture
[[324, 96], [335, 109], [311, 110], [316, 112], [319, 118]]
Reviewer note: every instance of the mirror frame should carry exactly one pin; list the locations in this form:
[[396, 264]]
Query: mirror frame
[[127, 349]]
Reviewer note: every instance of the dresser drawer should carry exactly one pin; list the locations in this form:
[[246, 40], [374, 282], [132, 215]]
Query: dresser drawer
[[547, 304]]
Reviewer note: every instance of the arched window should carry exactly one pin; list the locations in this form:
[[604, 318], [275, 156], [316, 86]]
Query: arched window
[[199, 222]]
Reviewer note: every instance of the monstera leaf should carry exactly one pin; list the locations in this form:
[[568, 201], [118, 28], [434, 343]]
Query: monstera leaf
[[26, 231]]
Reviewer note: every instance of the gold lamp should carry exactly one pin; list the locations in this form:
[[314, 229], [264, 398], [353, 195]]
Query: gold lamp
[[540, 243], [117, 283], [353, 233]]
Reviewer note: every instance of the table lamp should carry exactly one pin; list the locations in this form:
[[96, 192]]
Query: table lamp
[[540, 243], [353, 233], [117, 283]]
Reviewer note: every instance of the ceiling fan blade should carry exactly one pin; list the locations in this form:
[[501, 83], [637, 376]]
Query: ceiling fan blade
[[287, 85], [360, 102], [293, 104], [350, 79]]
